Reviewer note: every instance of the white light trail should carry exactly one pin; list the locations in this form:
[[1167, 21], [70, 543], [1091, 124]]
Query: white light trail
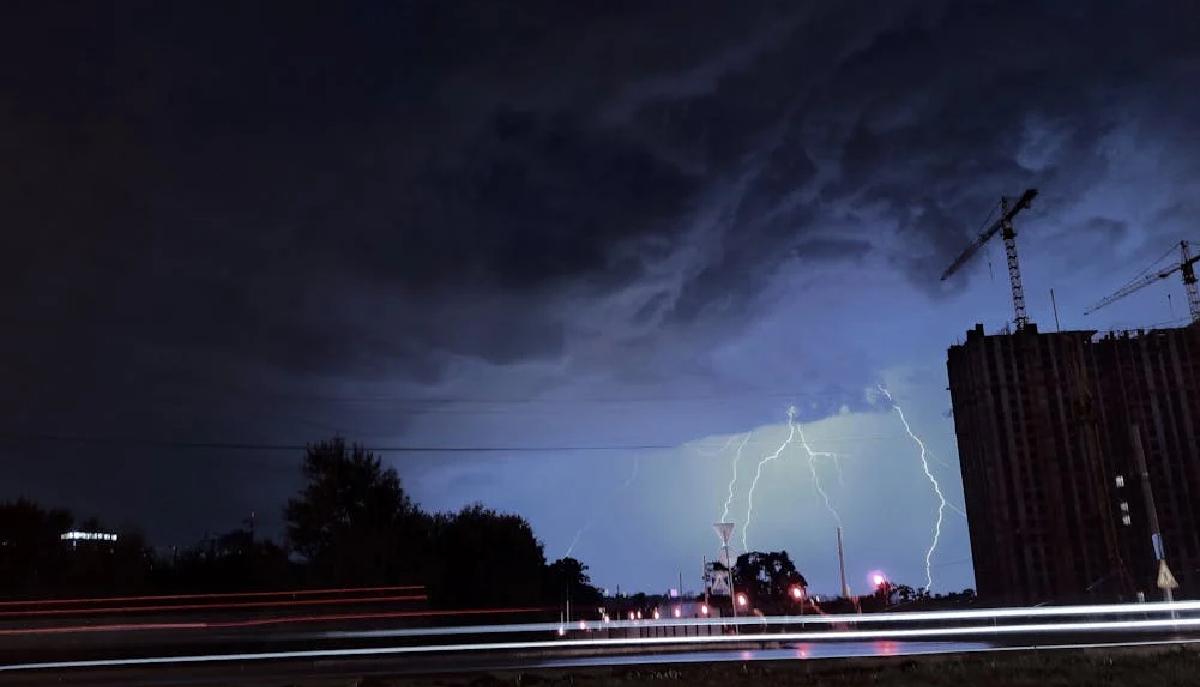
[[812, 467], [737, 457], [975, 631], [937, 489], [791, 414], [988, 616]]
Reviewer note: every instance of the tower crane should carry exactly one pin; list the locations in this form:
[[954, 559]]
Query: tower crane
[[1009, 208], [1185, 268]]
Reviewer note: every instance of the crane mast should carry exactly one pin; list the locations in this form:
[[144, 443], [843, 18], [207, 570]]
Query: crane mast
[[1014, 267], [1004, 226], [1186, 268]]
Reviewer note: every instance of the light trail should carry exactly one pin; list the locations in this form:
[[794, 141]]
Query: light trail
[[215, 595], [812, 467], [41, 613], [986, 630], [827, 619], [791, 414], [923, 617], [276, 620], [737, 457], [937, 489]]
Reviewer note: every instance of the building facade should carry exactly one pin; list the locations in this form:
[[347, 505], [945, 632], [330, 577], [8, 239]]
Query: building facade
[[1053, 494]]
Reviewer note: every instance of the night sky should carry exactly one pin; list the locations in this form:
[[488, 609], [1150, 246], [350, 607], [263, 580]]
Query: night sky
[[561, 226]]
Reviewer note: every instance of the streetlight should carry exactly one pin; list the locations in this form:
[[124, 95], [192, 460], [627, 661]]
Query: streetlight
[[742, 600], [797, 592]]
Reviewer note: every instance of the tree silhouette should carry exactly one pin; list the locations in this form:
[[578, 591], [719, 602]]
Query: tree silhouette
[[353, 521], [486, 558], [567, 578], [352, 525], [234, 561], [767, 577], [34, 560], [31, 555]]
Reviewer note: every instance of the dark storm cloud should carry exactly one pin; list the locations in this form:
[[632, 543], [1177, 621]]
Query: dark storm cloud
[[248, 201]]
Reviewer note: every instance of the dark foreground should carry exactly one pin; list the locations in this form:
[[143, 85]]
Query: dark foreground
[[1151, 667], [1163, 665]]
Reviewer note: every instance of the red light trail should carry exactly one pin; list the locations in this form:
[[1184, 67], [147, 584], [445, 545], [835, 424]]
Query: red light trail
[[224, 606], [276, 620], [215, 595]]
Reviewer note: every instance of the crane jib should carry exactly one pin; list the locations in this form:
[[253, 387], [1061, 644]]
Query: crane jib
[[985, 235]]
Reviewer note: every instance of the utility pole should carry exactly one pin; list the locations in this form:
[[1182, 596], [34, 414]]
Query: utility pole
[[1166, 581], [725, 532], [1054, 305], [842, 565]]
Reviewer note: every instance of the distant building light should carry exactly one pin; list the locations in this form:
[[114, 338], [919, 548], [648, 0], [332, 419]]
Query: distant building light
[[678, 612], [1124, 506], [704, 610], [673, 593], [1126, 520], [1120, 480], [88, 536]]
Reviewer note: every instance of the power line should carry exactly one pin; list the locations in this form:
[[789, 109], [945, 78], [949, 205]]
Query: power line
[[499, 400], [12, 437], [252, 446]]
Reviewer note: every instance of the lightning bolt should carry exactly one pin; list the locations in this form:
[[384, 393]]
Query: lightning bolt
[[837, 467], [812, 467], [728, 442], [637, 463], [791, 413], [737, 457], [937, 489]]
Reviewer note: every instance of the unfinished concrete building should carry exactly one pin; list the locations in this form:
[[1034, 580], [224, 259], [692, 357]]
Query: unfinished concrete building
[[1052, 492]]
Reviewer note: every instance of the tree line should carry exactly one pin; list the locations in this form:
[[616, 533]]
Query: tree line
[[351, 524]]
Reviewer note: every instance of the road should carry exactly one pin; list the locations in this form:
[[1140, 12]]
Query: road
[[255, 640]]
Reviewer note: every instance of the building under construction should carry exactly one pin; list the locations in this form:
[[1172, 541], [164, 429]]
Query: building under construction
[[1053, 488], [1080, 453]]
